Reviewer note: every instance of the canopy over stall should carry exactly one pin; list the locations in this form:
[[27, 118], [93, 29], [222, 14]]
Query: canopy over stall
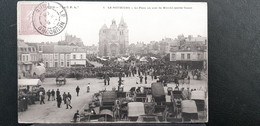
[[29, 82]]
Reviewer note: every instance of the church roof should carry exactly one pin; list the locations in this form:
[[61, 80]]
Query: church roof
[[122, 20], [122, 23]]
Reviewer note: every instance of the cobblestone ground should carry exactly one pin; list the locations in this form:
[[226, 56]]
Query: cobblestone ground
[[50, 113]]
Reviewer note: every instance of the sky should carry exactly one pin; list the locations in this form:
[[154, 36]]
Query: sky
[[86, 18]]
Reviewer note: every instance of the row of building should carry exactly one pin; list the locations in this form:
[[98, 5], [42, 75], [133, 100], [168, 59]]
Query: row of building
[[66, 53], [113, 42]]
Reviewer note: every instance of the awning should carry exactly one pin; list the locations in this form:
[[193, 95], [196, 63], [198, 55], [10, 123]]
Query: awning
[[30, 82], [143, 59], [153, 58]]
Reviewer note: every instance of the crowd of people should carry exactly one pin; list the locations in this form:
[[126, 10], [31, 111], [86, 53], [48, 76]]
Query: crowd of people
[[24, 97], [56, 96]]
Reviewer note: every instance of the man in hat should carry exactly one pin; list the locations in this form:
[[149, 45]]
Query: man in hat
[[64, 96], [57, 92], [59, 101], [77, 90], [49, 94]]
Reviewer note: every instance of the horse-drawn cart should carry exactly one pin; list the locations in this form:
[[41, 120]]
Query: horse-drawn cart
[[60, 80]]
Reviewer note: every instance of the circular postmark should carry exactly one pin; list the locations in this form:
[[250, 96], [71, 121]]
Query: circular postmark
[[49, 18]]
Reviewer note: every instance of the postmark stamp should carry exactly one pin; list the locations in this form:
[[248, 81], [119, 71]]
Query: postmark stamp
[[49, 18]]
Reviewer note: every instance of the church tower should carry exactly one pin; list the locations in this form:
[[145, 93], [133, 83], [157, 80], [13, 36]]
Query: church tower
[[113, 41], [123, 36], [103, 40]]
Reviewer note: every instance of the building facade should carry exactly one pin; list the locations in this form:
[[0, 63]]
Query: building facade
[[190, 55], [56, 55], [113, 41], [78, 57], [27, 58], [63, 56]]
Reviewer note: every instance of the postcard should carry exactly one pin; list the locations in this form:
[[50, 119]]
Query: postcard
[[112, 62]]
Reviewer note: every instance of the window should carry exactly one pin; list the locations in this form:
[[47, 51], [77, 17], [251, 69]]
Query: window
[[173, 56], [40, 48], [56, 64], [27, 58], [68, 56], [81, 57], [51, 57], [188, 56], [61, 57], [47, 65], [182, 56], [56, 56], [74, 56], [29, 49], [21, 49], [199, 56], [25, 49], [68, 64], [61, 64]]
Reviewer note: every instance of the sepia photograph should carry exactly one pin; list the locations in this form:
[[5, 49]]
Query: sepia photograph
[[112, 62]]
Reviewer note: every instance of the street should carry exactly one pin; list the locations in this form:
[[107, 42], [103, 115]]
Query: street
[[50, 113]]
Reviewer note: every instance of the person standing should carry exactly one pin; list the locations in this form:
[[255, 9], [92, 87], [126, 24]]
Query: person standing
[[105, 79], [57, 93], [188, 79], [53, 95], [145, 79], [69, 95], [41, 97], [108, 80], [68, 101], [64, 96], [141, 79], [77, 90], [59, 101], [49, 94], [88, 88]]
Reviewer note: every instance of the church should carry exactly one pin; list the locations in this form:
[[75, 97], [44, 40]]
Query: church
[[113, 41]]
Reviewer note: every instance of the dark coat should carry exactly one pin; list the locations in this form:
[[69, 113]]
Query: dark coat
[[59, 99], [77, 89], [57, 93], [52, 93]]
